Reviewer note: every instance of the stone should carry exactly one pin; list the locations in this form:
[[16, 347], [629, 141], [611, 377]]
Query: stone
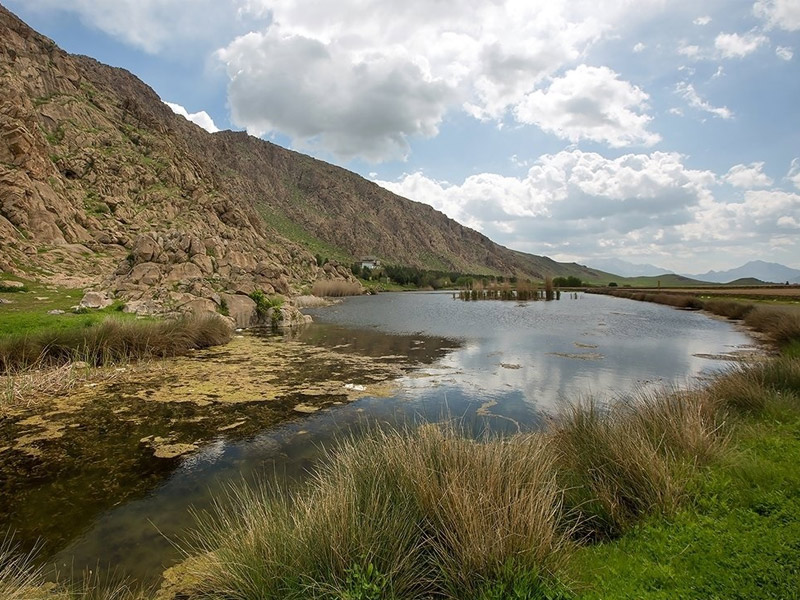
[[146, 249], [241, 308], [147, 273], [204, 263], [95, 300], [10, 283], [55, 311], [183, 272]]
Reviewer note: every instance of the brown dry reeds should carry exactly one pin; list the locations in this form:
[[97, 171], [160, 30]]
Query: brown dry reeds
[[780, 323], [634, 458], [113, 340], [426, 513], [335, 288]]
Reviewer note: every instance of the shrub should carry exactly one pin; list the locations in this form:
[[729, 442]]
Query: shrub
[[264, 303]]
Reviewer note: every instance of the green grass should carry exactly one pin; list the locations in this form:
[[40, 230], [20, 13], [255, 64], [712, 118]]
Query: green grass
[[294, 232], [27, 315], [739, 539]]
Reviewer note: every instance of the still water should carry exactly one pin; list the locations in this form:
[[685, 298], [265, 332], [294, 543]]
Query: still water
[[96, 495]]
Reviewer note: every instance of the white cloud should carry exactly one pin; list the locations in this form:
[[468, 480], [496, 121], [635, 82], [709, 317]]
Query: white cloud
[[571, 199], [590, 103], [687, 91], [704, 20], [201, 118], [639, 47], [782, 14], [784, 52], [318, 94], [690, 50], [156, 25], [794, 173], [748, 176], [733, 45], [362, 78]]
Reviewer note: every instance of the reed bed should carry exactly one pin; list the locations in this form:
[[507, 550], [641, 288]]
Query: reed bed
[[111, 341], [336, 288]]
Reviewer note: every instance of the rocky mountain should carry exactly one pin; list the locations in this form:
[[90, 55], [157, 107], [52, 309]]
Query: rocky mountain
[[755, 269], [102, 185]]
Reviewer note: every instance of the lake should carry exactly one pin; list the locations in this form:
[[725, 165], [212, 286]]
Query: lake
[[266, 406]]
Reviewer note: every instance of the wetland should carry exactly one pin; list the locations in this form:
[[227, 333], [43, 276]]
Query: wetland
[[107, 473]]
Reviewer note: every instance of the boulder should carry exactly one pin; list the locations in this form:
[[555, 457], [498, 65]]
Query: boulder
[[183, 272], [241, 308], [147, 273], [95, 300]]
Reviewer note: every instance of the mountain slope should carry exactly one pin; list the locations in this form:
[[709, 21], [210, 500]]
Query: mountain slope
[[100, 183]]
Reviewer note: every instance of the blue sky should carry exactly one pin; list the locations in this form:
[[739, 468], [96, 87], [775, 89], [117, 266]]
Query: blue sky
[[654, 131]]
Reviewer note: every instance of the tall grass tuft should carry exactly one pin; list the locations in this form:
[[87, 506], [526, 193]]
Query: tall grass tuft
[[635, 458], [404, 514], [782, 324], [113, 340], [335, 288]]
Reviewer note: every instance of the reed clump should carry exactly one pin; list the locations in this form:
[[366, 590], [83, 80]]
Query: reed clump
[[426, 513], [113, 340], [336, 288]]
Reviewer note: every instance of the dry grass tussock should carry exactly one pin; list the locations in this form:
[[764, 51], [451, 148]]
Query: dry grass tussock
[[634, 458], [21, 580], [336, 288], [414, 513], [311, 302], [111, 341]]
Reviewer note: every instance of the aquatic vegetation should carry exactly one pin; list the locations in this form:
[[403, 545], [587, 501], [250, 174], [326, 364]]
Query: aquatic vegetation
[[336, 288]]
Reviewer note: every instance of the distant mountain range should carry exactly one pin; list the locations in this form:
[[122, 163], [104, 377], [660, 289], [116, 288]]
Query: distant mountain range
[[753, 270], [758, 269], [625, 268]]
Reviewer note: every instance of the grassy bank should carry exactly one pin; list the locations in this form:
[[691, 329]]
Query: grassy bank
[[111, 340]]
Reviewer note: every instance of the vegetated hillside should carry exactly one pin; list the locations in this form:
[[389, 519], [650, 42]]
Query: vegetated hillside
[[100, 183]]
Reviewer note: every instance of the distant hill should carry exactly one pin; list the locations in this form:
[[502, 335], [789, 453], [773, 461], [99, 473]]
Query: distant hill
[[757, 269], [744, 281], [625, 268]]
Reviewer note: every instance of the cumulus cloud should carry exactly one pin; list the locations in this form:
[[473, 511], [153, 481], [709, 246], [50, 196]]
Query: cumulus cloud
[[748, 176], [733, 45], [689, 50], [574, 204], [639, 47], [362, 79], [201, 118], [704, 20], [319, 95], [688, 93], [570, 199], [781, 14], [590, 103], [784, 52], [794, 173], [156, 25]]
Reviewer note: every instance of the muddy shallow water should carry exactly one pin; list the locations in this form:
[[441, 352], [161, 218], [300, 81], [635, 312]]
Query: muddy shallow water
[[107, 474]]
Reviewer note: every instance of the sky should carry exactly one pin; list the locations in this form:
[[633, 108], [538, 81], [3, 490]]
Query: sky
[[654, 131]]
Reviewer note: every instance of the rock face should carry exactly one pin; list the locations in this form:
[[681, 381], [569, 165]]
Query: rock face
[[102, 184]]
